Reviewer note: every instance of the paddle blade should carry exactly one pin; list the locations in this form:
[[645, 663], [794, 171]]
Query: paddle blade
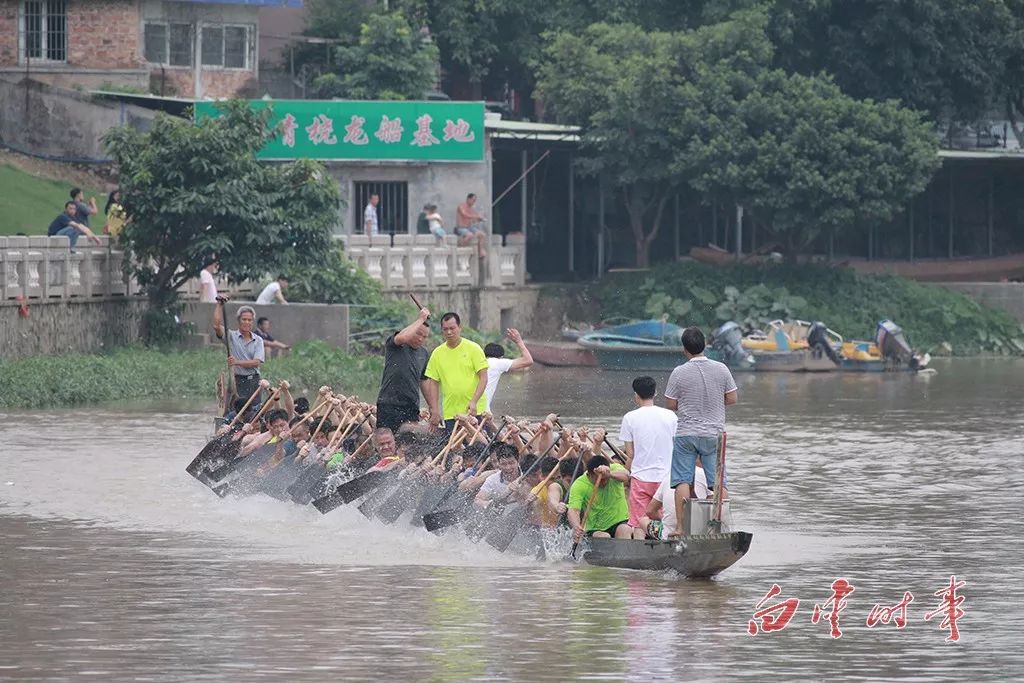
[[350, 491], [507, 526], [445, 518]]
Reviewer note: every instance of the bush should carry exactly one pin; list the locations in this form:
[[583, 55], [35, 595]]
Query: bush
[[140, 374], [849, 303]]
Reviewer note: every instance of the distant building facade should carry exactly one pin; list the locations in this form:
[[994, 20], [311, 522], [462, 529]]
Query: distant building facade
[[192, 48]]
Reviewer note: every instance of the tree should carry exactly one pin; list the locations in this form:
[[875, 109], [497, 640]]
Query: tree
[[196, 194], [807, 158], [390, 62], [942, 57], [644, 98]]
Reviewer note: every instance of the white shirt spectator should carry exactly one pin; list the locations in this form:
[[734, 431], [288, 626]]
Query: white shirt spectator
[[207, 287], [650, 429], [496, 367], [370, 220], [267, 296]]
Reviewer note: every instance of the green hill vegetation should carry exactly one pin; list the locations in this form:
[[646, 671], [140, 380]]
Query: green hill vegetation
[[29, 202]]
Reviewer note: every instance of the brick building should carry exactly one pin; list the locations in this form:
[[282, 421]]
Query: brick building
[[192, 48]]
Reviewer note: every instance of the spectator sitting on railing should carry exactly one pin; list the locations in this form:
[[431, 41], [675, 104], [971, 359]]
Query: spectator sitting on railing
[[67, 225], [263, 330], [469, 225], [429, 222]]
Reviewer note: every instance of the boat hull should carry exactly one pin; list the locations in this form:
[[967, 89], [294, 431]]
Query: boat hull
[[809, 360], [561, 354], [699, 556]]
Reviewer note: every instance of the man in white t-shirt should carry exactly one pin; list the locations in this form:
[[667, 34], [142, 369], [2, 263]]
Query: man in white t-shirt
[[272, 292], [667, 522], [207, 285], [498, 365], [371, 225], [646, 435], [496, 484]]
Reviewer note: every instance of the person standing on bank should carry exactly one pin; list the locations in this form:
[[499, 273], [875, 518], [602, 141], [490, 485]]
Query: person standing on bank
[[246, 349], [371, 223], [405, 358], [458, 368], [698, 391]]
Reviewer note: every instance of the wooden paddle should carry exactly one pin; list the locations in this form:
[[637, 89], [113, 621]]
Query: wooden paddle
[[230, 390], [212, 450], [715, 523], [586, 513], [435, 521]]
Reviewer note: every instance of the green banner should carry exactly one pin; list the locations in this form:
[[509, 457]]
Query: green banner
[[350, 129]]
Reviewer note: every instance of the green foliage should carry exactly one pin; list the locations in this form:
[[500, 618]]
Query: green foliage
[[849, 303], [336, 280], [136, 374], [196, 194], [391, 61], [641, 99], [942, 57]]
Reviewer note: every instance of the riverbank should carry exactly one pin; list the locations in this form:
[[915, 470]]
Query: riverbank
[[142, 374], [934, 318]]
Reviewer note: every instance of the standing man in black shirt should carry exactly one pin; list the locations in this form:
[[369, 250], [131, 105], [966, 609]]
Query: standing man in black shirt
[[405, 358]]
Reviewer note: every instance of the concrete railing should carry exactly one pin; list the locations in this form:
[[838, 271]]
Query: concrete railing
[[402, 262], [39, 267]]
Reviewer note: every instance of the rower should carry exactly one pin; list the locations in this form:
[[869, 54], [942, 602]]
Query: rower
[[496, 485], [394, 453], [277, 426], [608, 514]]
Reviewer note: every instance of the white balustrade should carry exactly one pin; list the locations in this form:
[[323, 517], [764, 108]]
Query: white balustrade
[[45, 268]]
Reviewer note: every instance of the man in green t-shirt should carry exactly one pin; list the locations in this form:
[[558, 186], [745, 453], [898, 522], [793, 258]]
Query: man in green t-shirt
[[458, 370], [609, 514]]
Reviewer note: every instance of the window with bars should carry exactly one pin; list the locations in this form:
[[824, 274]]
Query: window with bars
[[169, 44], [392, 210], [44, 30], [226, 46]]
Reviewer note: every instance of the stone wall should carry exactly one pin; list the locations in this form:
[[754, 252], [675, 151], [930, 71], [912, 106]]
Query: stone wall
[[289, 324], [1005, 296], [32, 112], [53, 327], [489, 309]]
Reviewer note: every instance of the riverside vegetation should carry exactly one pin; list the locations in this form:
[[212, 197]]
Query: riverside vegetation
[[139, 374], [935, 319]]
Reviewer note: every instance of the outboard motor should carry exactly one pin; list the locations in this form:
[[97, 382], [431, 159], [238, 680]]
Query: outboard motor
[[817, 338], [892, 344], [728, 342]]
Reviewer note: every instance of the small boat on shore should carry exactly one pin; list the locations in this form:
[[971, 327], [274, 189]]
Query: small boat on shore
[[563, 354]]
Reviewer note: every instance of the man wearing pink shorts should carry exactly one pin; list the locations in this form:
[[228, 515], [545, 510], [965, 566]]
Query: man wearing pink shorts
[[646, 434]]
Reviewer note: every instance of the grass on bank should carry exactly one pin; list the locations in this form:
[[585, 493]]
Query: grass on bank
[[28, 203], [852, 304], [141, 374]]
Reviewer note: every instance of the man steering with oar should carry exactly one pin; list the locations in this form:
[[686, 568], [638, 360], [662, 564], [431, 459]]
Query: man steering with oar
[[245, 349]]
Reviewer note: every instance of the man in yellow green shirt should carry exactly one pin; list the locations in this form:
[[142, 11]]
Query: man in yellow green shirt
[[608, 514], [457, 370]]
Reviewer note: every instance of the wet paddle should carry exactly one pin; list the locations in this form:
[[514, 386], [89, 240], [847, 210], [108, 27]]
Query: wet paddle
[[232, 449], [458, 513], [211, 451], [415, 487]]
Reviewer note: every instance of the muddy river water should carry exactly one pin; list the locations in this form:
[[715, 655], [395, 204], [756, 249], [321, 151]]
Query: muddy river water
[[116, 565]]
